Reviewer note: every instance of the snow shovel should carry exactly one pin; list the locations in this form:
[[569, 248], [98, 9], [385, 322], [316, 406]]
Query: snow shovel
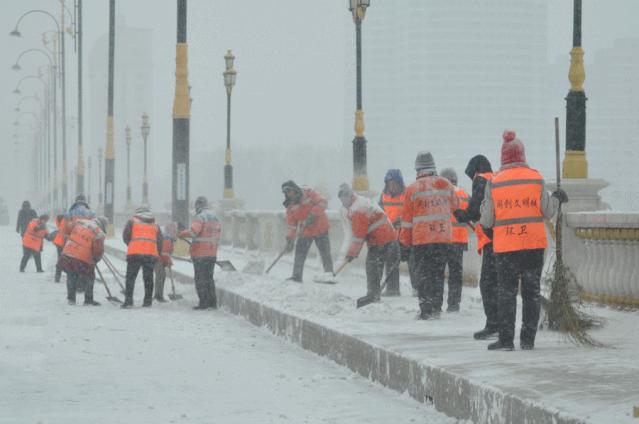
[[114, 272], [299, 230], [276, 260], [110, 297], [366, 300], [173, 295], [331, 280], [225, 265]]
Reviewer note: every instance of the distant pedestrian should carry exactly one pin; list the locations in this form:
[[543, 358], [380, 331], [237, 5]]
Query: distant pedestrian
[[25, 216], [144, 240], [33, 241], [205, 234], [426, 229], [515, 207]]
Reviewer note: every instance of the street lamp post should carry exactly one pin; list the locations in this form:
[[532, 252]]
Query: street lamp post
[[360, 178], [89, 186], [181, 124], [100, 198], [80, 174], [575, 164], [129, 204], [229, 81], [146, 129], [109, 153]]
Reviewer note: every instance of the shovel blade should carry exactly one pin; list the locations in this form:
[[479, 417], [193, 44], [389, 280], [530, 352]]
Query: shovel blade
[[176, 297], [113, 299], [226, 266]]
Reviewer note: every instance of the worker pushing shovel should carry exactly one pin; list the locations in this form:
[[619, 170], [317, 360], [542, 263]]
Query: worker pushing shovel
[[370, 224]]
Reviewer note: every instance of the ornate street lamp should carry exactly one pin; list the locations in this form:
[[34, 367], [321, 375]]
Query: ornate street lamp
[[360, 178], [146, 129], [129, 204], [229, 81]]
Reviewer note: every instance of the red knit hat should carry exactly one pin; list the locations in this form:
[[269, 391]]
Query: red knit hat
[[512, 150]]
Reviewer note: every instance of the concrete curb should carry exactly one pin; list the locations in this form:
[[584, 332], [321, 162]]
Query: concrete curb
[[453, 395]]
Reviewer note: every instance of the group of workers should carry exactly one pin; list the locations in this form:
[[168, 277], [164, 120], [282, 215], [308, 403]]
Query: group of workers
[[426, 225]]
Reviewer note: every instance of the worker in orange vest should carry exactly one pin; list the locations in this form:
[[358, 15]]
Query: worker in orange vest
[[59, 240], [168, 242], [32, 242], [392, 201], [455, 257], [515, 206], [370, 224], [84, 248], [426, 229], [306, 208], [480, 172], [144, 240], [205, 234]]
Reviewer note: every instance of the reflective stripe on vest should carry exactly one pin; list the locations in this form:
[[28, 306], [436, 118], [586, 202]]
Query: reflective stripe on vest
[[143, 239], [431, 193], [428, 218], [519, 223], [80, 242], [377, 224]]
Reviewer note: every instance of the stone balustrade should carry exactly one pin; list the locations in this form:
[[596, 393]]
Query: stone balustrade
[[602, 250]]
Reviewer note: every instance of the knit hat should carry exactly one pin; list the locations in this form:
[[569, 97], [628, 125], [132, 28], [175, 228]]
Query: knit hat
[[201, 202], [80, 198], [449, 174], [512, 149], [345, 191], [425, 162], [142, 209]]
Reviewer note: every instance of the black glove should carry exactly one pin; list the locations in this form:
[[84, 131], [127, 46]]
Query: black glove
[[560, 195], [290, 243], [349, 259], [404, 253], [309, 220], [459, 215]]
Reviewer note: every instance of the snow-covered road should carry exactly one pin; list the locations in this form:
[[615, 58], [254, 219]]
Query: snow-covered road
[[167, 364]]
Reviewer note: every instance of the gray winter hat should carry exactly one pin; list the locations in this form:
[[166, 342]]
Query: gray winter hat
[[345, 191], [142, 209], [449, 174], [425, 162]]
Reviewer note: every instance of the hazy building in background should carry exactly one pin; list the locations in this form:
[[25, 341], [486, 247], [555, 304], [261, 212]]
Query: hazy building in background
[[133, 95], [449, 76]]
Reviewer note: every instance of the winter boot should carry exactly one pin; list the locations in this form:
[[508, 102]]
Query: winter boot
[[159, 299], [391, 292], [91, 302], [500, 345], [453, 308], [295, 279], [486, 333], [128, 303], [147, 302]]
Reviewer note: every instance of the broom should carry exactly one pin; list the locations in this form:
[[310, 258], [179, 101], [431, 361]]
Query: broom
[[562, 314]]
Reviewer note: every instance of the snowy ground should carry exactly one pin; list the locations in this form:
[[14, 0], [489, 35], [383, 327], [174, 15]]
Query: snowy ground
[[166, 364], [597, 385]]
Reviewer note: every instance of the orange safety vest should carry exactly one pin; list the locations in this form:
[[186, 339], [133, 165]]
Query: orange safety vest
[[206, 230], [79, 245], [482, 238], [32, 239], [460, 229], [519, 222], [144, 239], [393, 206], [370, 224], [428, 204], [59, 237]]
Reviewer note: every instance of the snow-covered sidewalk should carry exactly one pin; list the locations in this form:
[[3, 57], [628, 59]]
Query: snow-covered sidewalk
[[166, 364], [593, 385]]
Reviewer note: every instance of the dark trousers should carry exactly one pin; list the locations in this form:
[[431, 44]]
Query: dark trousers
[[75, 280], [377, 258], [488, 287], [454, 261], [160, 278], [430, 264], [524, 265], [302, 246], [58, 270], [412, 270], [26, 255], [133, 265], [204, 284]]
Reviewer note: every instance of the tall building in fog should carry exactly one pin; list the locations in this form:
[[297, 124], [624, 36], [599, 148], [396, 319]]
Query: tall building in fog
[[133, 95], [449, 76]]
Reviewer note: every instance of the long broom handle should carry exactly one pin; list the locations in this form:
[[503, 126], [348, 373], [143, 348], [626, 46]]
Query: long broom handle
[[109, 265], [275, 261], [341, 267], [103, 280], [558, 240], [105, 259], [300, 228]]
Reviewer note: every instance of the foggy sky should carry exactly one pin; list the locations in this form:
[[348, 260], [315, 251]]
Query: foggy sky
[[290, 63]]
